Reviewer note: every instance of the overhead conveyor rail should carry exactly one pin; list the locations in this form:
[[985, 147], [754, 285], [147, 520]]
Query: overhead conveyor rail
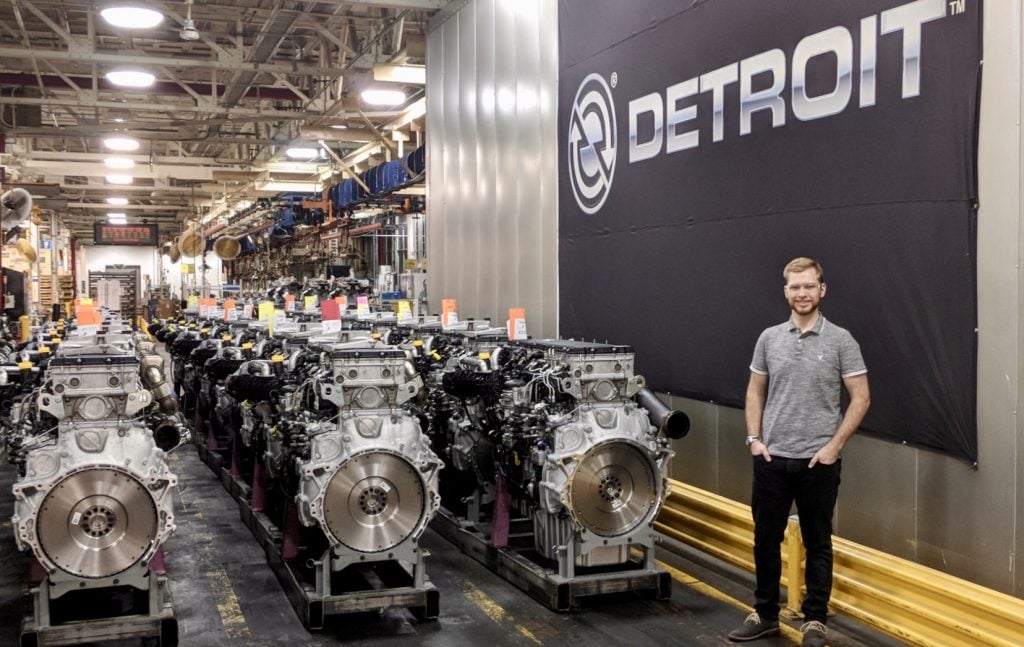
[[911, 602]]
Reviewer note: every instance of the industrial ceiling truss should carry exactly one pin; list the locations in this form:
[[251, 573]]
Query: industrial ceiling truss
[[236, 83]]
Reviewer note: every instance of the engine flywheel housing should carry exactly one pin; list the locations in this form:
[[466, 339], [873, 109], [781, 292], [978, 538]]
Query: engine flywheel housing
[[613, 488], [374, 501], [97, 523]]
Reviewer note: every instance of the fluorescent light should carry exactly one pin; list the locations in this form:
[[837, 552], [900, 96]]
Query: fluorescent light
[[379, 97], [132, 17], [301, 152], [339, 126], [122, 144], [119, 179], [131, 78], [118, 202], [119, 162], [116, 214]]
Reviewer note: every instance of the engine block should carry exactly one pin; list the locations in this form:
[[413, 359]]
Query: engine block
[[371, 480], [94, 501]]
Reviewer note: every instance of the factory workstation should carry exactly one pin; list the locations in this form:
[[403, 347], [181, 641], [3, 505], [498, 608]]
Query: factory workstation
[[514, 323]]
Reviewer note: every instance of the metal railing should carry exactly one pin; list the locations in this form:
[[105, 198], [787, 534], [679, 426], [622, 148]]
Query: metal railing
[[914, 603]]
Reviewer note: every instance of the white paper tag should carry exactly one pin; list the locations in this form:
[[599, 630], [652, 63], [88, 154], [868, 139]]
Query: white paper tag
[[519, 329]]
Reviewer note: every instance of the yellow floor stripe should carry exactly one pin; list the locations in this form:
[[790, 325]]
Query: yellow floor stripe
[[705, 589], [494, 611], [230, 612]]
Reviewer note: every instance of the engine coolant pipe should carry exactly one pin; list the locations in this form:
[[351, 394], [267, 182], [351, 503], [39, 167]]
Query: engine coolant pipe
[[671, 422]]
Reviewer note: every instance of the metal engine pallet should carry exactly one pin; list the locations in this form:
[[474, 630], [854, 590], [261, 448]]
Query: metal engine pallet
[[158, 624], [543, 582], [371, 586]]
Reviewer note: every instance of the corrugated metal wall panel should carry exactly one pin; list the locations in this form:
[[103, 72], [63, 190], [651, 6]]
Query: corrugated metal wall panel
[[491, 151]]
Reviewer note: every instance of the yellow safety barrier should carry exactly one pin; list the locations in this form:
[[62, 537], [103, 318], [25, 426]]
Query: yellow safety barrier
[[914, 603]]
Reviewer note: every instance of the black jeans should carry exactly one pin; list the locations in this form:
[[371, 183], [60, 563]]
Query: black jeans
[[776, 486]]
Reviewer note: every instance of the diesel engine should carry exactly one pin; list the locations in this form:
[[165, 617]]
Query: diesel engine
[[561, 432], [94, 499]]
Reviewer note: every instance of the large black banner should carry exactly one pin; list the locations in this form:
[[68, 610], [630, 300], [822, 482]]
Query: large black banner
[[705, 144]]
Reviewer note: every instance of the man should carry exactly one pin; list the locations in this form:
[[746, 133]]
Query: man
[[795, 433]]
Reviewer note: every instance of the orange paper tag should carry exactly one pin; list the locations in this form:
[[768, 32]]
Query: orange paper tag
[[449, 313], [516, 324]]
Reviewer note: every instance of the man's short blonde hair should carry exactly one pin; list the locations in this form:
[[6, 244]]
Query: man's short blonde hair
[[802, 264]]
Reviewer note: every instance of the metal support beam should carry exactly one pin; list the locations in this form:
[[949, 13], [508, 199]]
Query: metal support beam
[[86, 54], [344, 166], [101, 206], [336, 135], [164, 107], [426, 5], [57, 29], [388, 144]]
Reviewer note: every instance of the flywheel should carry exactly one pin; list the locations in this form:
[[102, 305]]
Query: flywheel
[[97, 523], [374, 502], [613, 488]]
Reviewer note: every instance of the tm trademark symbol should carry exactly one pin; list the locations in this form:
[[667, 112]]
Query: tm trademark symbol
[[957, 7], [614, 80]]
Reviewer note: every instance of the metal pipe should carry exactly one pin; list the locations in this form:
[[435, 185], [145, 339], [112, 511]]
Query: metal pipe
[[153, 376], [480, 365], [674, 424]]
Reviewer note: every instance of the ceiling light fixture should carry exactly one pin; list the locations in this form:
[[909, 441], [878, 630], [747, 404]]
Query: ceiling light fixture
[[132, 16], [118, 202], [119, 179], [126, 78], [302, 152], [188, 28], [119, 162], [381, 97], [121, 144]]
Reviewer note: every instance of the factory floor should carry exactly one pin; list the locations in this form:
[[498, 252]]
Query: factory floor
[[225, 594]]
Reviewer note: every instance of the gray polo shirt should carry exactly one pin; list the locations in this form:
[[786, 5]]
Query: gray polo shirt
[[805, 378]]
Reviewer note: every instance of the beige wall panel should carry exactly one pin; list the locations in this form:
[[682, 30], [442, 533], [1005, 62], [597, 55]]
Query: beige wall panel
[[735, 469], [965, 520], [696, 460], [877, 496]]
